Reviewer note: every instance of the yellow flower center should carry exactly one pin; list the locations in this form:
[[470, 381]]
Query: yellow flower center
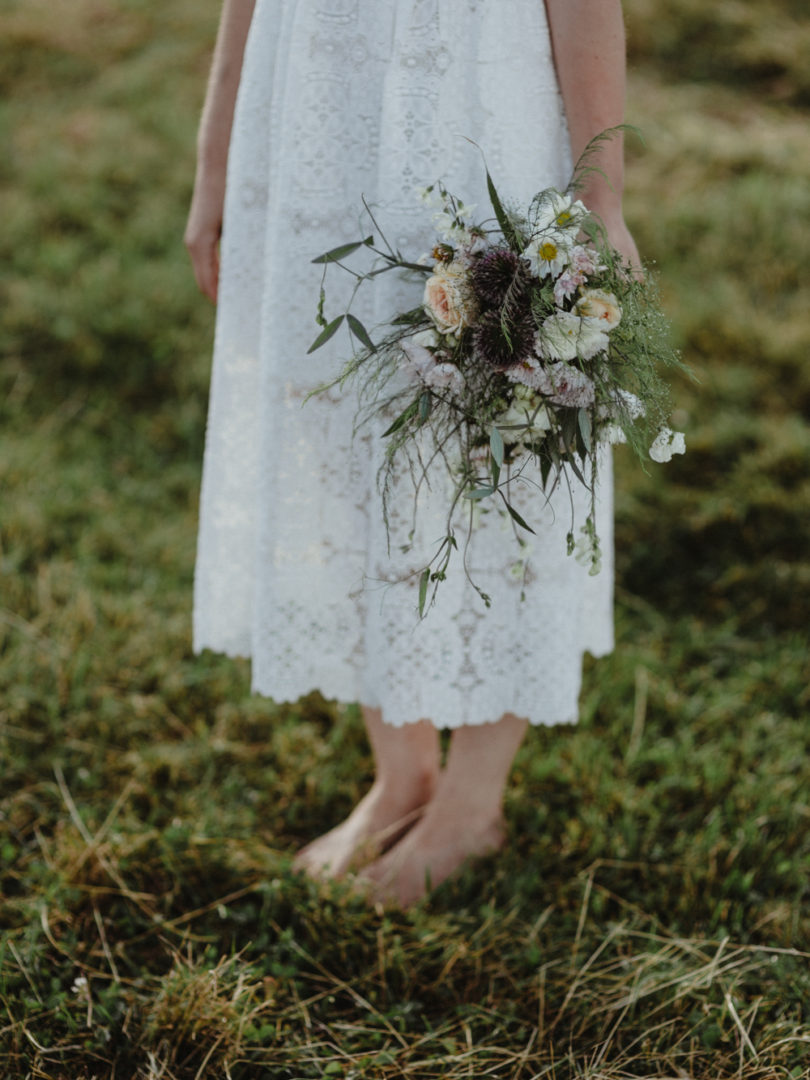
[[564, 217], [548, 251]]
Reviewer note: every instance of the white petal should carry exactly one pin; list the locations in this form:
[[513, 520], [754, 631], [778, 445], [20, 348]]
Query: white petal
[[666, 444]]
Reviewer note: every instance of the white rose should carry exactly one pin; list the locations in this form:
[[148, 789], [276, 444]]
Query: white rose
[[427, 339], [566, 336], [666, 444]]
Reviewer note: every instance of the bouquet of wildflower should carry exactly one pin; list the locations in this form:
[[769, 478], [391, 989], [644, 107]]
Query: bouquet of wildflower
[[532, 347]]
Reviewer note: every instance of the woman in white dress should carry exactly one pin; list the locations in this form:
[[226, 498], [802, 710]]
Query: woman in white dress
[[311, 104]]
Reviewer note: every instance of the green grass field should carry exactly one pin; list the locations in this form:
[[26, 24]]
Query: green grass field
[[651, 916]]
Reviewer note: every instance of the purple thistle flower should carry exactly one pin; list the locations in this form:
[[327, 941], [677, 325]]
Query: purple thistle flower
[[502, 348], [496, 272]]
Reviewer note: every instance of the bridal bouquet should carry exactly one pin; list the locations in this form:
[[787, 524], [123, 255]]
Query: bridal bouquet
[[531, 348]]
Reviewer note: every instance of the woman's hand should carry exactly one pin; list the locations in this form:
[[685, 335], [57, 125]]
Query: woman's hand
[[588, 41], [620, 238], [204, 226]]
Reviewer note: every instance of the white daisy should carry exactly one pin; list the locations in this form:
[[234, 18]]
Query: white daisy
[[548, 254], [560, 211]]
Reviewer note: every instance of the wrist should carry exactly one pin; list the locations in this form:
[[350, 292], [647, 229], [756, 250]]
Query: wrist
[[607, 207]]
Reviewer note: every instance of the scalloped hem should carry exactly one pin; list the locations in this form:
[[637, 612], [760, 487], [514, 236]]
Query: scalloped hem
[[340, 691]]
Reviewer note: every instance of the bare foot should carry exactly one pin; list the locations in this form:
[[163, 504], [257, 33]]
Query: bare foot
[[432, 851], [378, 821]]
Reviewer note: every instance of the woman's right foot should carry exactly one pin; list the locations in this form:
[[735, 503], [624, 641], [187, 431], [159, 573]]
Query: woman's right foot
[[379, 820]]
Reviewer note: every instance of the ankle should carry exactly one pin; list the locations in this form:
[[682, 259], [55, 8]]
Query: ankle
[[474, 809], [407, 787]]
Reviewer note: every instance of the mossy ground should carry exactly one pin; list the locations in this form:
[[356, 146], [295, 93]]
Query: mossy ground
[[650, 915]]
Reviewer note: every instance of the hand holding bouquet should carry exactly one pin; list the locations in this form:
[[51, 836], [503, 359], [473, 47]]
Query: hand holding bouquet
[[533, 346]]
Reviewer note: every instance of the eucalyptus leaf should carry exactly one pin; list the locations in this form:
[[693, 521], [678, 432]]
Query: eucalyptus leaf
[[328, 331], [479, 493], [577, 471], [425, 405], [519, 520], [585, 431], [496, 446], [338, 253], [568, 429], [360, 332], [545, 469], [424, 581], [402, 419]]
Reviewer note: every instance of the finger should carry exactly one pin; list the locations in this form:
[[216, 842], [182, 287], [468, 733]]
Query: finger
[[206, 272], [214, 276], [205, 264]]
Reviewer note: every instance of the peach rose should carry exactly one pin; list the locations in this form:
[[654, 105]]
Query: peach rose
[[601, 305], [448, 298]]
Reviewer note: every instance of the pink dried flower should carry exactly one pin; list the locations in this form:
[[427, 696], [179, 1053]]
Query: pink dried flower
[[566, 285]]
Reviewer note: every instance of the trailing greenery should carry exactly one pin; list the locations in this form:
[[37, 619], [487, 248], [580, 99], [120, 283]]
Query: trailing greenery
[[531, 353], [649, 917]]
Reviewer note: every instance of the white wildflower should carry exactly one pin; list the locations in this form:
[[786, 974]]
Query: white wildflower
[[629, 403], [526, 419], [429, 196], [418, 359], [421, 363], [443, 375], [611, 434], [666, 444], [453, 227], [624, 406]]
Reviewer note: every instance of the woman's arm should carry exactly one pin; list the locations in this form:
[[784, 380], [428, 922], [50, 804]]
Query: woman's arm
[[205, 216], [587, 37]]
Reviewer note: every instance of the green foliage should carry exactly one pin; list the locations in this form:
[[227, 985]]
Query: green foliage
[[649, 916], [753, 44]]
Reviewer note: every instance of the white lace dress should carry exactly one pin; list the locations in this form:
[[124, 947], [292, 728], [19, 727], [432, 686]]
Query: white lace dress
[[341, 98]]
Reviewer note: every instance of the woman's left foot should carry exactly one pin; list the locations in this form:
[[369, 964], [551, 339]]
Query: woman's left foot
[[378, 821], [434, 849]]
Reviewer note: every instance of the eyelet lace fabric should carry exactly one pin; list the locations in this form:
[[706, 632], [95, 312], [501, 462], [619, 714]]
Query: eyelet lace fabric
[[338, 99]]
